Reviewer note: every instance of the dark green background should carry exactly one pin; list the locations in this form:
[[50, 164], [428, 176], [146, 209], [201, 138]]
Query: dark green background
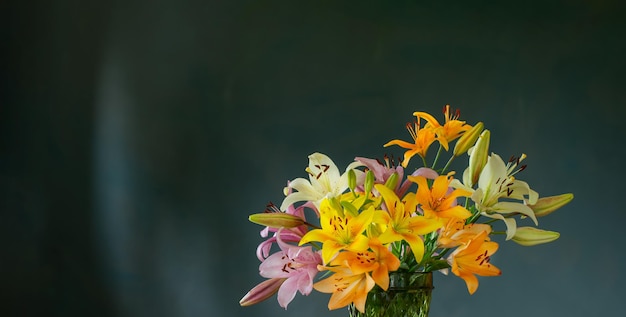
[[136, 137]]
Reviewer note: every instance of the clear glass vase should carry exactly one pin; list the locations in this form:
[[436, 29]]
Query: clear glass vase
[[408, 295]]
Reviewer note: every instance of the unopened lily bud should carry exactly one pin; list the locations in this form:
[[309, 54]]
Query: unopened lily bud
[[529, 236], [351, 180], [335, 203], [262, 291], [392, 181], [468, 139], [478, 157], [369, 182], [546, 205], [276, 220]]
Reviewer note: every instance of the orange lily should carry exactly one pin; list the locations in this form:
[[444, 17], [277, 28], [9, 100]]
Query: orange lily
[[450, 130], [380, 261], [473, 258], [456, 232], [422, 139], [436, 202]]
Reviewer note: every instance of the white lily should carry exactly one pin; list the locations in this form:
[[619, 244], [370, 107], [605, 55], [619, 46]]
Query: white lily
[[324, 181], [496, 182]]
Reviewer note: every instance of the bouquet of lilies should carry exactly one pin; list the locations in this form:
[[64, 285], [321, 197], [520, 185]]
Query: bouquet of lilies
[[379, 216]]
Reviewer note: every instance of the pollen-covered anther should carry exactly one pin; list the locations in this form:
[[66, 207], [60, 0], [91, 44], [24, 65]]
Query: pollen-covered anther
[[390, 161], [413, 128], [270, 208], [446, 112], [483, 258]]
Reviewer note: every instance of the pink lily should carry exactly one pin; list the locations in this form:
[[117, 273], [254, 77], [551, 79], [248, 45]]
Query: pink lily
[[298, 265], [382, 172], [287, 234]]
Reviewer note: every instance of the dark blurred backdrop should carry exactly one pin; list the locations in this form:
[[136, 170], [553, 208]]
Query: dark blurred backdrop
[[136, 137]]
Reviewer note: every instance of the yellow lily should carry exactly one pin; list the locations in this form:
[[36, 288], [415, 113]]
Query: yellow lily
[[437, 202], [402, 225], [340, 230], [450, 130], [473, 258], [422, 139]]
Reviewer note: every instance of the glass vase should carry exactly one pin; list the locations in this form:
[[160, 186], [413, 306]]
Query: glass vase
[[408, 295]]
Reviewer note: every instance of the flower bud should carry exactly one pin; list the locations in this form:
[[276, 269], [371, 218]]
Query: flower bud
[[335, 203], [276, 220], [392, 181], [529, 236], [262, 291], [351, 180], [478, 157], [546, 205], [468, 139], [369, 181]]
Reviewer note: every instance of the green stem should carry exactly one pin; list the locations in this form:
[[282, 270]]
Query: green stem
[[424, 161], [447, 164], [436, 157], [475, 212], [442, 253]]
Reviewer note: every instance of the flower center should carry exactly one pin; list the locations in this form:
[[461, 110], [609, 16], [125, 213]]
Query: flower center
[[483, 259], [290, 264]]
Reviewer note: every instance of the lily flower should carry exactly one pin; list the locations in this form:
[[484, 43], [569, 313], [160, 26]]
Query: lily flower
[[456, 232], [293, 234], [383, 172], [450, 130], [324, 181], [439, 202], [473, 258], [297, 265], [340, 230], [379, 262], [422, 139], [497, 182], [402, 224], [346, 288]]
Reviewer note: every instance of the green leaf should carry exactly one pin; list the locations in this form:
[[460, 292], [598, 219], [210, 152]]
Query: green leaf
[[437, 265]]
